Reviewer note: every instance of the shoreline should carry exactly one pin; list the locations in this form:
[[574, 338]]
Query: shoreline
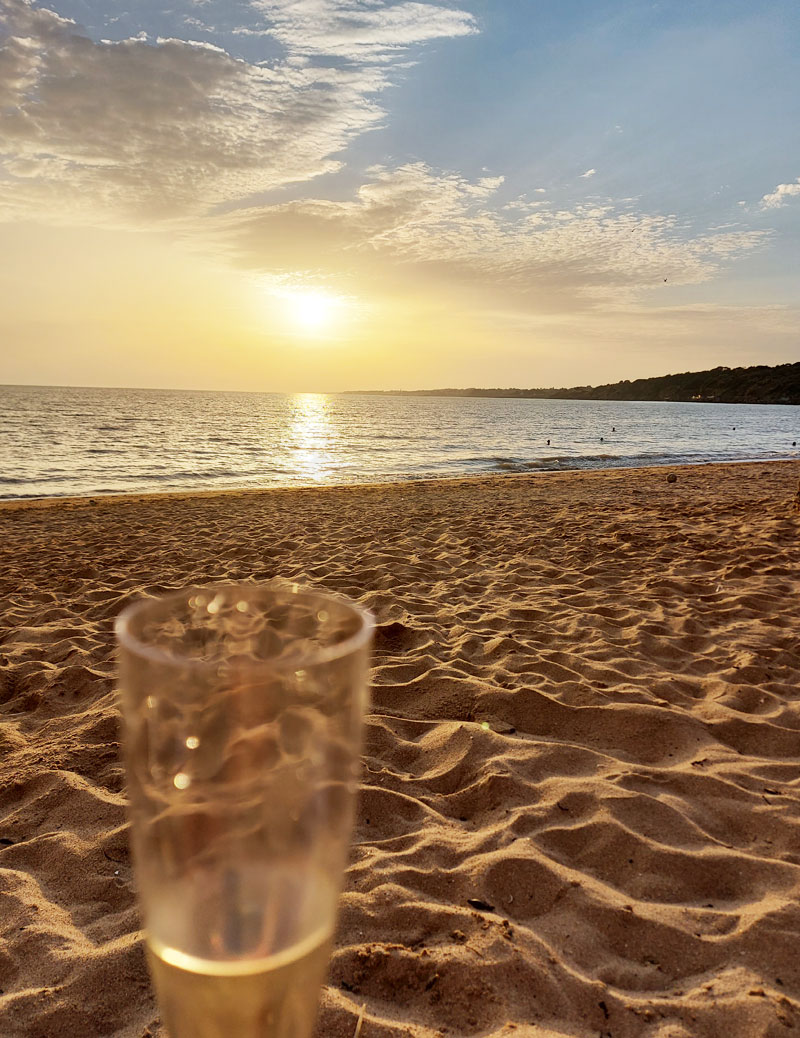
[[99, 499]]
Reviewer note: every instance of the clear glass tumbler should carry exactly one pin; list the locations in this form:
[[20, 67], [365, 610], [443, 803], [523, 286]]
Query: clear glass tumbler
[[243, 710]]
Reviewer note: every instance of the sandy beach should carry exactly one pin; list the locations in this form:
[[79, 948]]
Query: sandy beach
[[580, 812]]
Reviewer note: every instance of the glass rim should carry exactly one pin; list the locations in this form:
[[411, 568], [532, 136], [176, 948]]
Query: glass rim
[[327, 654]]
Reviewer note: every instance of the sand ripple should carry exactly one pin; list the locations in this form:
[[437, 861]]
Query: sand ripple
[[580, 813]]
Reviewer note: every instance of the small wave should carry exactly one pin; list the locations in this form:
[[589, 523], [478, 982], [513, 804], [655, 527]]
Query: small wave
[[46, 477], [27, 497], [189, 474]]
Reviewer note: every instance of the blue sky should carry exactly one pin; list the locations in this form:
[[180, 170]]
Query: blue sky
[[606, 189]]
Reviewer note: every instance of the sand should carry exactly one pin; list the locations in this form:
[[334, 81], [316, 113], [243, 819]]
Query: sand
[[580, 812]]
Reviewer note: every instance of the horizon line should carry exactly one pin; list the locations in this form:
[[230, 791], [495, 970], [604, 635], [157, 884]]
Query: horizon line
[[395, 390]]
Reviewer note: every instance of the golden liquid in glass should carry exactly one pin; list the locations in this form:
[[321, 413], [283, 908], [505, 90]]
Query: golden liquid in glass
[[273, 997]]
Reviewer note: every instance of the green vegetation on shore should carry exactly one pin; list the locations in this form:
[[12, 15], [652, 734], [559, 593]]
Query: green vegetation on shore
[[759, 384]]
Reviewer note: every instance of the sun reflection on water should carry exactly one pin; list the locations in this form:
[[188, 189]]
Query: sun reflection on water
[[312, 436]]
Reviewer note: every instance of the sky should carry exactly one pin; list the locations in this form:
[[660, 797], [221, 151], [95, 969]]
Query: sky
[[321, 195]]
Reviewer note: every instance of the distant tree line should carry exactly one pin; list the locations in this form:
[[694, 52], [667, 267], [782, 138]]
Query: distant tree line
[[758, 384]]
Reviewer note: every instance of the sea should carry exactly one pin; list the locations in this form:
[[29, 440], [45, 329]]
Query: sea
[[59, 441]]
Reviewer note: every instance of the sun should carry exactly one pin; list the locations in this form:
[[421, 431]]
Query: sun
[[312, 309], [307, 310], [311, 312]]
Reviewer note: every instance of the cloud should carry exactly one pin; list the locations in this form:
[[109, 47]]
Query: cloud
[[137, 132], [781, 195], [417, 216], [131, 129], [360, 31]]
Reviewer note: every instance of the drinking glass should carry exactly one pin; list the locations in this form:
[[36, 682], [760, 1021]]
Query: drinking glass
[[243, 708]]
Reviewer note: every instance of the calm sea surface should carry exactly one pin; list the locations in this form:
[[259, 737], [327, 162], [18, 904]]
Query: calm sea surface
[[58, 441]]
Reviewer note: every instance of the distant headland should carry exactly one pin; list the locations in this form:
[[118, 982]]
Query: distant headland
[[759, 384]]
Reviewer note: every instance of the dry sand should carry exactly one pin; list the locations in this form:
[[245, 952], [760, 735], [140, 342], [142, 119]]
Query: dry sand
[[585, 715]]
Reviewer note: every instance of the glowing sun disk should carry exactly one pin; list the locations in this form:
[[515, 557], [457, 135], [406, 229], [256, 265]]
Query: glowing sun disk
[[311, 309]]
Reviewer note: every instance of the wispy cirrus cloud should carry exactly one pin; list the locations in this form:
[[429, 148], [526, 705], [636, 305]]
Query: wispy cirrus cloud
[[136, 129], [781, 195], [364, 32], [414, 215]]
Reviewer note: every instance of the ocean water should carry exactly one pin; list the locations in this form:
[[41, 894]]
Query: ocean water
[[67, 441]]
